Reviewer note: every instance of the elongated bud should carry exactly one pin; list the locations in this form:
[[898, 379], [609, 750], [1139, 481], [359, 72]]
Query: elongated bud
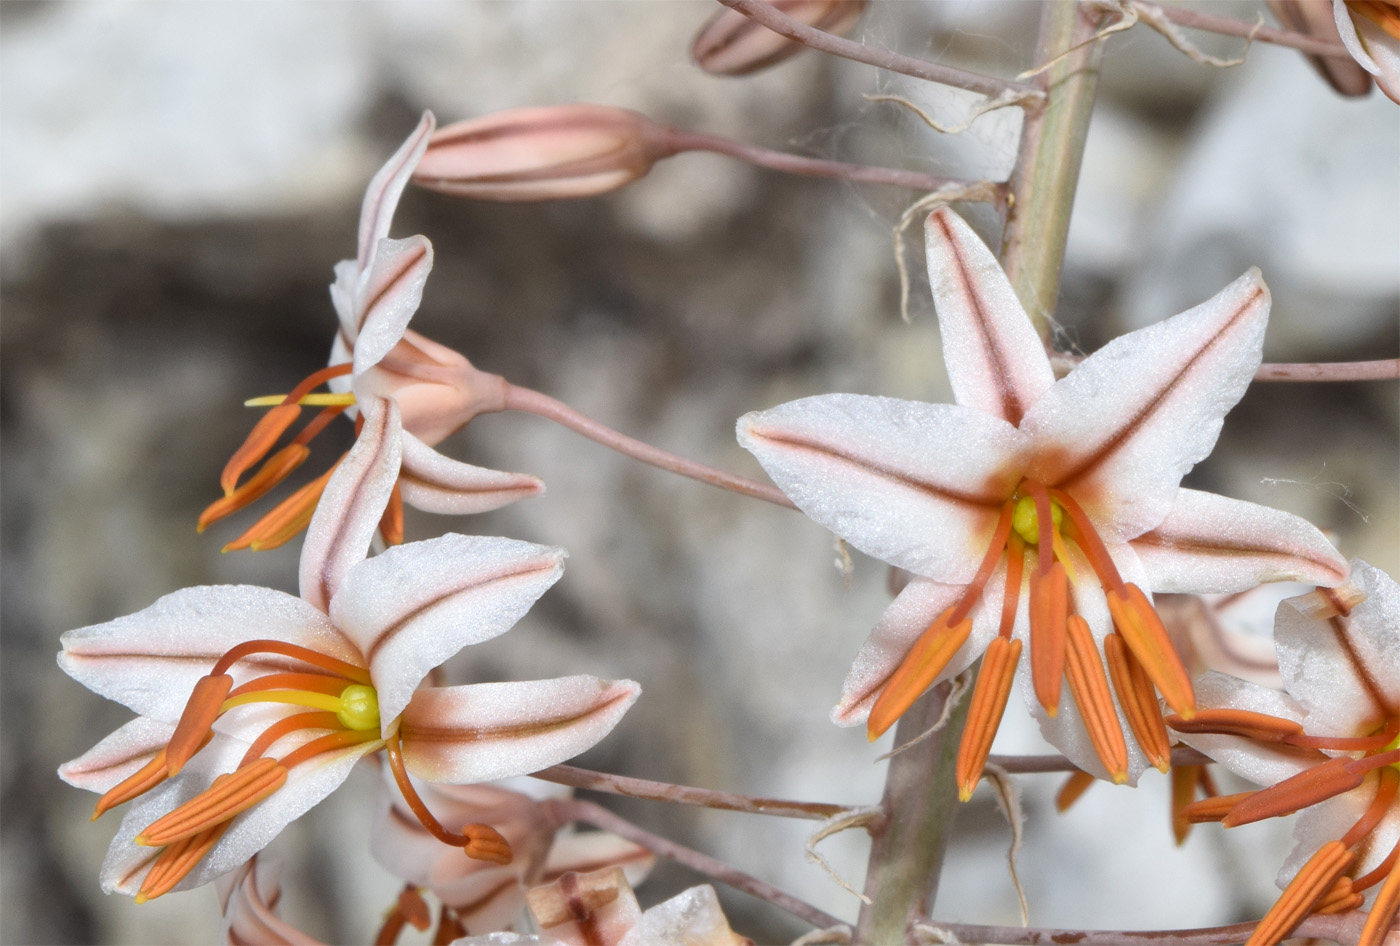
[[556, 152], [731, 44]]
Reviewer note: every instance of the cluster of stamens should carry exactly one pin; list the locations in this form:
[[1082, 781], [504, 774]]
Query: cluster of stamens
[[293, 514], [338, 698], [1139, 654]]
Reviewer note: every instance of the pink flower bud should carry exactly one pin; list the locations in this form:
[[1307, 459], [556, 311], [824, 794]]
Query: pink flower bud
[[552, 153], [731, 44]]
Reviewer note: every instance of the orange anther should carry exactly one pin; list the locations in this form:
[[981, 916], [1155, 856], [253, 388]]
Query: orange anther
[[176, 861], [1215, 808], [227, 797], [197, 719], [1139, 702], [921, 666], [1387, 784], [485, 843], [1142, 630], [138, 783], [1339, 899], [984, 715], [1233, 722], [259, 441], [277, 468], [1303, 892], [1319, 783], [1076, 785], [285, 521], [1185, 778], [1383, 909], [1049, 612], [414, 908], [1089, 686]]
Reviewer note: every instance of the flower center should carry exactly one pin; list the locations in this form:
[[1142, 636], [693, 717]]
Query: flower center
[[1140, 657]]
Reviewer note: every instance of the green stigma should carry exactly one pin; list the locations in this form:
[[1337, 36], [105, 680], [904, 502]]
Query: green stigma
[[1025, 522], [359, 708]]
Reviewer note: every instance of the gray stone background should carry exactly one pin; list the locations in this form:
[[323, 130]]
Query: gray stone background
[[178, 180]]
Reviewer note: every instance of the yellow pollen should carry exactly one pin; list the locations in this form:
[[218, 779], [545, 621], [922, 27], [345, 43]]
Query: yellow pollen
[[357, 707], [322, 399], [1024, 521]]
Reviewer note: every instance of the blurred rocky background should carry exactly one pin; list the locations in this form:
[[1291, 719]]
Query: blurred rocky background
[[178, 180]]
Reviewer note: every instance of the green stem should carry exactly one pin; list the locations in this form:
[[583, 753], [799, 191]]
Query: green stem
[[1047, 168], [907, 846]]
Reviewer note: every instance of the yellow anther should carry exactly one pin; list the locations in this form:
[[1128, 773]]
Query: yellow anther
[[359, 708], [321, 399], [1024, 520]]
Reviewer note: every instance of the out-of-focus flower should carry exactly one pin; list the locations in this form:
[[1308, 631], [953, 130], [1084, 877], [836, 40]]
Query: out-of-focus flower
[[1075, 482], [248, 897], [731, 44], [556, 152], [1316, 18], [600, 909], [237, 737], [486, 896], [1371, 31], [1327, 747], [376, 356]]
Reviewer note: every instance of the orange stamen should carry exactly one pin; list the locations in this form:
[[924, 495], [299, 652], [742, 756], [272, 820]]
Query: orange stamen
[[286, 520], [229, 796], [176, 861], [1082, 531], [414, 908], [449, 929], [1369, 743], [1089, 686], [1049, 612], [989, 564], [1339, 899], [1011, 592], [488, 842], [1319, 783], [1142, 630], [984, 715], [315, 682], [196, 720], [1384, 909], [329, 743], [1380, 12], [1215, 808], [277, 468], [391, 523], [920, 667], [1385, 794], [289, 724], [138, 783], [1311, 883], [1139, 702], [318, 423], [282, 648], [1185, 778], [1233, 722], [1076, 785]]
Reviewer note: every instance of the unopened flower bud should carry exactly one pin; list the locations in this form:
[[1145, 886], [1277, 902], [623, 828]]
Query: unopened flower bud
[[731, 44], [551, 153]]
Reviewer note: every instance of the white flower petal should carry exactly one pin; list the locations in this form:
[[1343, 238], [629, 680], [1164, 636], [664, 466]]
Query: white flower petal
[[917, 485], [587, 851], [347, 277], [1330, 820], [1373, 49], [1344, 671], [908, 616], [151, 660], [385, 188], [691, 918], [495, 730], [414, 606], [996, 361], [1122, 429], [1212, 544], [435, 483], [351, 506], [118, 756], [388, 295]]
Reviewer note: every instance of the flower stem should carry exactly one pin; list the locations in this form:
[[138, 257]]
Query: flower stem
[[1047, 167], [906, 850], [1210, 23], [600, 817], [685, 794], [765, 14], [1320, 927], [533, 402]]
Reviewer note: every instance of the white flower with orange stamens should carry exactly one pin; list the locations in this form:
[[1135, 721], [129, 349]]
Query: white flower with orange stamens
[[1370, 30], [1327, 746], [376, 355], [254, 704], [1040, 510], [482, 895]]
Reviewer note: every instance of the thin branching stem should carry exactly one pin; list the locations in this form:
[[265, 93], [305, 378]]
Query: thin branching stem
[[1211, 23], [1320, 927], [600, 817], [767, 15], [1383, 369], [1033, 764], [533, 402], [685, 794], [680, 140]]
